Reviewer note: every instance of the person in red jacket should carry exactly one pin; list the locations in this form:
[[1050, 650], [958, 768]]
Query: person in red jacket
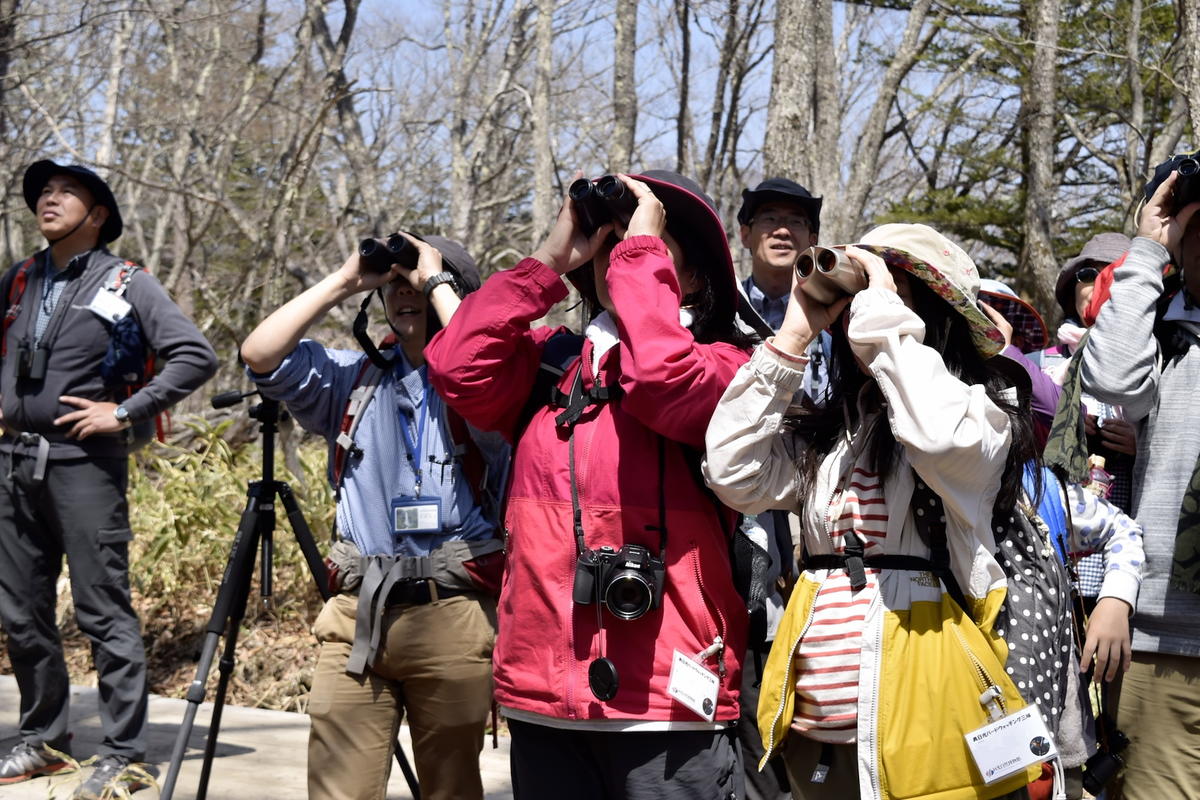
[[621, 633]]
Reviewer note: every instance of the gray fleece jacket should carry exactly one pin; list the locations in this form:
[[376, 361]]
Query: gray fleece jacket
[[1122, 365], [77, 340]]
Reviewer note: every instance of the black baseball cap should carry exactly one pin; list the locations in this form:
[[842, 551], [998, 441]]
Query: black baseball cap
[[780, 190], [39, 173]]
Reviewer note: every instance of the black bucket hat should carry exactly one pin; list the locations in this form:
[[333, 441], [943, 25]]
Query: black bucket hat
[[39, 173], [456, 259], [780, 190]]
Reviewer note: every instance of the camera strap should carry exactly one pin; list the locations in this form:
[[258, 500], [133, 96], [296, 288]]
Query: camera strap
[[577, 510]]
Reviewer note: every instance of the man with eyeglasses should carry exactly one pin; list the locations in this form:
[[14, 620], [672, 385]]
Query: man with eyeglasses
[[779, 219]]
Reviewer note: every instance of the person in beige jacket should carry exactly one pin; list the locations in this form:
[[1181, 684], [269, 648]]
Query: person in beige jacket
[[886, 657]]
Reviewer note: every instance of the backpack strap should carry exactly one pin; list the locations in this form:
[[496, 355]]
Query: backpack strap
[[365, 384], [16, 290], [929, 514]]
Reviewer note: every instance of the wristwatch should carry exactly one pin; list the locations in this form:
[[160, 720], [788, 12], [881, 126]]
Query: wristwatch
[[122, 415], [437, 280]]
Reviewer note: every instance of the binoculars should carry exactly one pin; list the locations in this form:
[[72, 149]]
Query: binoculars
[[1187, 185], [378, 255], [605, 200], [826, 274]]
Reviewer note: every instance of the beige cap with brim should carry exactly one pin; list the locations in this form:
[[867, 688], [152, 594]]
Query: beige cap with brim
[[942, 266]]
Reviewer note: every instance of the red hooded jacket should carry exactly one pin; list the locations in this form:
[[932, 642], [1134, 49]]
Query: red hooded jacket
[[483, 363]]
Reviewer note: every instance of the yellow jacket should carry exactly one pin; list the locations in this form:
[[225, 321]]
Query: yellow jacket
[[925, 664]]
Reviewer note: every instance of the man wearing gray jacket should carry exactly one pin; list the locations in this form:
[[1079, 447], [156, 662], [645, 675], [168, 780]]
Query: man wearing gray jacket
[[78, 325], [1144, 354]]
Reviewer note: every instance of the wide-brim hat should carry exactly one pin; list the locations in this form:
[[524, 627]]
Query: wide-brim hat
[[693, 221], [1104, 249], [941, 265], [1030, 334], [39, 173]]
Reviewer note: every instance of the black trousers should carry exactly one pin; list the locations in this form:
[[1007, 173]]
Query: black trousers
[[772, 782], [592, 765], [79, 511]]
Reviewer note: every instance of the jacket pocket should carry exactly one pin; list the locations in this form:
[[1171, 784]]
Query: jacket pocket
[[934, 666]]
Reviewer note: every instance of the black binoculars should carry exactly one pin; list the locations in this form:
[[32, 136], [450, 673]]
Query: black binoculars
[[1187, 185], [31, 360], [378, 255], [600, 202]]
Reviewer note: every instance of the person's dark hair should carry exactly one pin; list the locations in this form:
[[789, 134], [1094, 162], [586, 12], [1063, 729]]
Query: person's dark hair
[[714, 315], [947, 332]]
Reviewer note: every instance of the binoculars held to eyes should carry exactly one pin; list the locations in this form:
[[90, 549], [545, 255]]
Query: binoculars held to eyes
[[826, 274], [378, 255], [600, 202]]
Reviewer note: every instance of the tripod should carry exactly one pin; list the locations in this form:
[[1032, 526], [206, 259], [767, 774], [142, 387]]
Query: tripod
[[255, 530]]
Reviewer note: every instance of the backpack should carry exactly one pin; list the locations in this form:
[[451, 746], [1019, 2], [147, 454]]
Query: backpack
[[128, 364]]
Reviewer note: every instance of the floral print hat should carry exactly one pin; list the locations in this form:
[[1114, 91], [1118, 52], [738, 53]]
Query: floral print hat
[[942, 266]]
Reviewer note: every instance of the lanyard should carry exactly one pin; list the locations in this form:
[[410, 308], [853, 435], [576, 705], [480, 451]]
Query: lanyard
[[413, 450]]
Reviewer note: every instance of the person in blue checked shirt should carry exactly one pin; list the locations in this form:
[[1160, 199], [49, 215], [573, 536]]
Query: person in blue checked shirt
[[411, 628]]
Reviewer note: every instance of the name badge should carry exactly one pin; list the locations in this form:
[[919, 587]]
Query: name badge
[[1010, 744], [415, 515], [694, 685], [107, 306]]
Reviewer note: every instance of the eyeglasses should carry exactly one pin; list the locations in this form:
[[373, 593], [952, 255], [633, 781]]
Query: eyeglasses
[[775, 221], [1086, 275]]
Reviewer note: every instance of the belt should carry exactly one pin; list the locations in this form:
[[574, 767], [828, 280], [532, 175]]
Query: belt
[[419, 593]]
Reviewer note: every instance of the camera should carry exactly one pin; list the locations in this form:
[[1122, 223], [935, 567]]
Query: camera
[[31, 360], [1103, 765], [378, 255], [826, 274], [629, 581], [605, 200]]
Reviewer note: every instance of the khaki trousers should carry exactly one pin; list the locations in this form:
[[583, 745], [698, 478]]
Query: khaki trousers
[[435, 666], [1160, 713]]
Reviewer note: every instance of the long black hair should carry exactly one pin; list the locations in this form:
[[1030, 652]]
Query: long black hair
[[949, 333], [714, 304]]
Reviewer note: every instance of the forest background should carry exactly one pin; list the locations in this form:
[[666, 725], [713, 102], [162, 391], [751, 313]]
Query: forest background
[[251, 143]]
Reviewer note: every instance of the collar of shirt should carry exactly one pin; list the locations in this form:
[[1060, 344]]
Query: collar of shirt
[[602, 333], [771, 309]]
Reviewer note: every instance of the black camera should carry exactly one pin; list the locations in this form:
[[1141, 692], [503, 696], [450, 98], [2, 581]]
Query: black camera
[[31, 360], [378, 255], [629, 581], [606, 200], [1103, 765]]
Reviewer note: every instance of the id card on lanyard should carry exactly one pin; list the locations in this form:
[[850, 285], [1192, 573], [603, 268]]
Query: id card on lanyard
[[412, 513]]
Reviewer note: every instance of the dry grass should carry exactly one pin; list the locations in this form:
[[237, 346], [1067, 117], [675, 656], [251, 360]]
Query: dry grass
[[186, 500]]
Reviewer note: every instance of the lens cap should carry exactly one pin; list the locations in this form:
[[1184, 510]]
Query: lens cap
[[602, 679]]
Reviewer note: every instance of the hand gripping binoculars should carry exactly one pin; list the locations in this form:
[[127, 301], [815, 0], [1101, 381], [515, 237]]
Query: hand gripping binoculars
[[378, 255], [600, 202], [827, 273]]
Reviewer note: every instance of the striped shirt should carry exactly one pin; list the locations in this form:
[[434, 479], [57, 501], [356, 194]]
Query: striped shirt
[[828, 656]]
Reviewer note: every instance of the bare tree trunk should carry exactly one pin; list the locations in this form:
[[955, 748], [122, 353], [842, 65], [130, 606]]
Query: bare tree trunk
[[789, 115], [824, 145], [11, 241], [1037, 268], [683, 120], [620, 155], [333, 55], [118, 48], [1189, 19], [846, 218], [544, 193]]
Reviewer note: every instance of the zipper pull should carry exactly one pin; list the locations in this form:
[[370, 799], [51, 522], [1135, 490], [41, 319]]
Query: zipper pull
[[991, 700], [717, 648]]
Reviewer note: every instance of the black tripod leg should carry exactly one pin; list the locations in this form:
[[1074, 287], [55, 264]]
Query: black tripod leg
[[304, 537], [235, 585], [317, 566]]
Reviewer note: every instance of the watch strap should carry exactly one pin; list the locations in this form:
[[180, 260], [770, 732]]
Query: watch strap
[[437, 280]]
